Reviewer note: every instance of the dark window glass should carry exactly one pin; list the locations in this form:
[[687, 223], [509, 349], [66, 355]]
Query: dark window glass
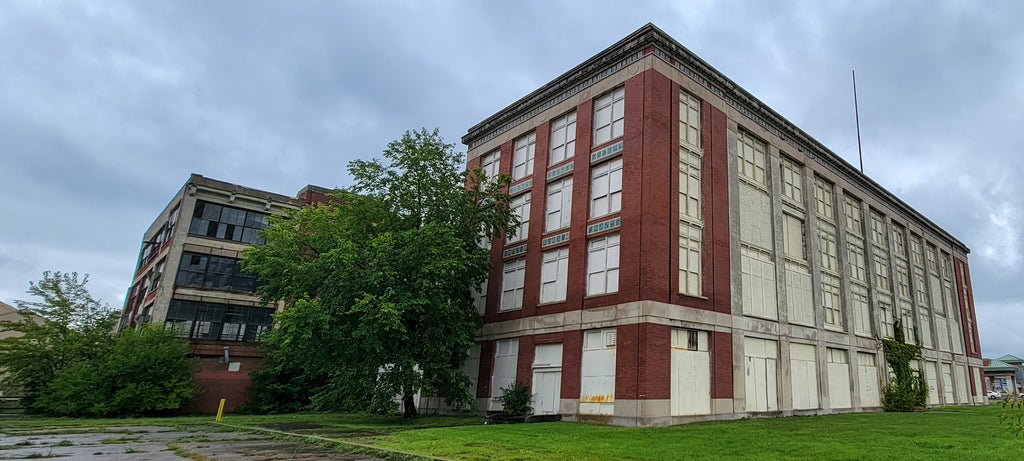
[[202, 320], [215, 273], [229, 223]]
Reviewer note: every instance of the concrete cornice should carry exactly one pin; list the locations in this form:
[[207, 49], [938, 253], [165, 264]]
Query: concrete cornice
[[651, 40]]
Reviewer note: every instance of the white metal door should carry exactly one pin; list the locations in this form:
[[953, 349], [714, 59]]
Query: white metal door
[[691, 373], [838, 379], [933, 383], [759, 363], [471, 368], [506, 355], [868, 374], [979, 393], [947, 383], [597, 372], [803, 367], [960, 384], [547, 378]]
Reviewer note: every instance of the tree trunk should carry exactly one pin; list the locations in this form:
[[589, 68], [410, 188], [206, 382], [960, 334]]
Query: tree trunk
[[410, 406]]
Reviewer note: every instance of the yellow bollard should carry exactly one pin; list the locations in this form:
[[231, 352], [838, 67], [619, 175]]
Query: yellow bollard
[[220, 411]]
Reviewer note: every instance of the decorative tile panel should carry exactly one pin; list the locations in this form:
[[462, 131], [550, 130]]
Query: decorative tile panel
[[514, 251], [604, 225], [560, 170], [604, 152], [563, 237], [520, 187]]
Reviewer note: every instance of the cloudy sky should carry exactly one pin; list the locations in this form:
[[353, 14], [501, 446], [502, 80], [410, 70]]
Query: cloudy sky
[[107, 107]]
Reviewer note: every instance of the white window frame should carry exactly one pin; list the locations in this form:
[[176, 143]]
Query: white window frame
[[554, 275], [609, 116], [606, 188], [490, 163], [690, 274], [522, 156], [563, 138], [520, 206], [558, 206], [689, 121], [512, 284], [603, 264], [753, 166]]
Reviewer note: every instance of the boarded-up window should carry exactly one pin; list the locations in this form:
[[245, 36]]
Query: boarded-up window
[[804, 371], [563, 138], [558, 206], [609, 115], [691, 373], [522, 158], [597, 372], [506, 354], [838, 378], [868, 380], [554, 275], [512, 281], [760, 358]]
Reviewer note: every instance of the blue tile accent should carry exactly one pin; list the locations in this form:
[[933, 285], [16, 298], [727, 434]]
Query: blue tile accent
[[603, 226], [521, 186], [564, 236], [560, 170], [614, 148], [516, 250]]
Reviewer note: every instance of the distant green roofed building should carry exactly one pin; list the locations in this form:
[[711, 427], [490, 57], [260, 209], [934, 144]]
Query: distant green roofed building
[[1002, 376]]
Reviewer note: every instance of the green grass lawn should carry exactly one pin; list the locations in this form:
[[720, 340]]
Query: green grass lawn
[[946, 434]]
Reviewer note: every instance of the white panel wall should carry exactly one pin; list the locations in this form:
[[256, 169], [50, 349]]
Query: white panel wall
[[547, 378], [597, 373], [838, 378], [960, 384], [471, 368], [691, 373], [760, 362], [799, 297], [804, 372], [947, 383], [506, 356], [931, 375], [869, 384]]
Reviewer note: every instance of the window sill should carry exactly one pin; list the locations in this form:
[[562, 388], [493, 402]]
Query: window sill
[[687, 295]]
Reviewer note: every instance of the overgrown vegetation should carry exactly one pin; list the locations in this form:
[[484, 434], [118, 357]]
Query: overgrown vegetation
[[72, 365], [1013, 414], [908, 388], [515, 399], [377, 284]]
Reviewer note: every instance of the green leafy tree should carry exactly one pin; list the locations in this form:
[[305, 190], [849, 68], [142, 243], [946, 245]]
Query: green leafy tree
[[378, 281], [77, 329], [71, 364]]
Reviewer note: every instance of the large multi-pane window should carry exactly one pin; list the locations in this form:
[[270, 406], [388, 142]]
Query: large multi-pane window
[[490, 163], [603, 264], [880, 269], [905, 303], [520, 206], [752, 160], [918, 281], [512, 281], [214, 273], [792, 182], [691, 219], [606, 188], [224, 322], [757, 244], [857, 264], [554, 275], [799, 293], [609, 115], [949, 299], [563, 138], [227, 222], [558, 212], [522, 157], [828, 253]]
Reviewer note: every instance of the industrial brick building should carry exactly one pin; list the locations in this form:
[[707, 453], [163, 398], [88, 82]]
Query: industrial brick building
[[687, 253], [188, 277]]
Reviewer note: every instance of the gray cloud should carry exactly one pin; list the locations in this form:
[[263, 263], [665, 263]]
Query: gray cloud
[[106, 107]]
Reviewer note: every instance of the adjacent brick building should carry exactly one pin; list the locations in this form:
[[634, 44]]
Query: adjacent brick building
[[687, 253], [188, 277]]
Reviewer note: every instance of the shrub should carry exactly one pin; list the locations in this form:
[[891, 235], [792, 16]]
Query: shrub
[[908, 389], [515, 399], [1013, 416]]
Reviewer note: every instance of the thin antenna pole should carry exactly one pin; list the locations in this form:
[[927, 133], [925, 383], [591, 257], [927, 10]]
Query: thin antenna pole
[[856, 111]]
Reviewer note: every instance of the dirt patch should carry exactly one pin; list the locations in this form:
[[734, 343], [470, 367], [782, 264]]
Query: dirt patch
[[290, 427]]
